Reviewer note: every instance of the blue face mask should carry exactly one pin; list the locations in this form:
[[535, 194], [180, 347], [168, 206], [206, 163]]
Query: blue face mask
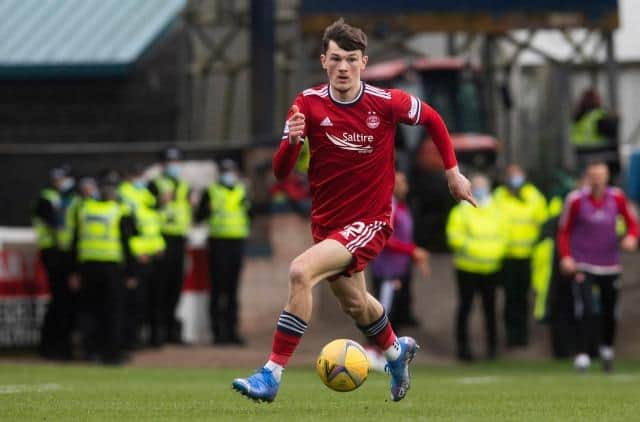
[[481, 194], [172, 170], [67, 184], [228, 178], [139, 184], [516, 182]]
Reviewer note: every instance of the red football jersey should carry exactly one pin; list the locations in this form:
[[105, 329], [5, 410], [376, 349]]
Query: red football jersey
[[352, 168]]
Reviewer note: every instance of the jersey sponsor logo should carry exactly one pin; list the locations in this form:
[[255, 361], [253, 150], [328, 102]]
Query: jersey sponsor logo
[[352, 141], [326, 122], [373, 120]]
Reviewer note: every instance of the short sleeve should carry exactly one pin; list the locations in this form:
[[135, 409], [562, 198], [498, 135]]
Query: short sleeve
[[406, 108]]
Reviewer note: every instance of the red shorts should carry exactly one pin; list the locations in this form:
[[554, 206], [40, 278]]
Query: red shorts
[[364, 240]]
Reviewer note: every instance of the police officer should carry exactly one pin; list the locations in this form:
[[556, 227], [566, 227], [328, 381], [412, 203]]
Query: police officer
[[145, 291], [47, 220], [525, 210], [478, 238], [594, 132], [102, 260], [173, 200], [226, 206]]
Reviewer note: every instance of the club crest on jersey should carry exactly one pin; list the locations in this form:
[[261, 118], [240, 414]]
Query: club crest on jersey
[[373, 120]]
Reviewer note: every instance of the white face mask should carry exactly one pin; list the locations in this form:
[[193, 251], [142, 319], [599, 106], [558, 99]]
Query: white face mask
[[67, 184], [228, 178]]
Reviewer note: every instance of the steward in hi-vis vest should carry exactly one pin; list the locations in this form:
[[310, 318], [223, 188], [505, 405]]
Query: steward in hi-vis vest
[[524, 209], [146, 292], [173, 202], [225, 206], [102, 259], [48, 221], [478, 238]]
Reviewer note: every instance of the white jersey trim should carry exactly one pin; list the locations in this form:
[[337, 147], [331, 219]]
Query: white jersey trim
[[348, 102], [599, 269], [322, 92], [377, 94]]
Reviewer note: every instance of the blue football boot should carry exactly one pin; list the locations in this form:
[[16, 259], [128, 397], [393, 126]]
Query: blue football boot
[[261, 386], [399, 368]]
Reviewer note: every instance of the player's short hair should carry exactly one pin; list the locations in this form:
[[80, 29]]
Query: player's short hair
[[347, 37]]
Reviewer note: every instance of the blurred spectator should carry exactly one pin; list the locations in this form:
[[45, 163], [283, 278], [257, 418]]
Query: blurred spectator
[[291, 194], [226, 206], [172, 199], [391, 270], [594, 132], [146, 290], [102, 259], [47, 220], [478, 238], [589, 245], [525, 210]]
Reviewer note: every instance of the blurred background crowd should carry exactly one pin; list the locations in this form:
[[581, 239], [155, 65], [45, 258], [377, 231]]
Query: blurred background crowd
[[135, 137]]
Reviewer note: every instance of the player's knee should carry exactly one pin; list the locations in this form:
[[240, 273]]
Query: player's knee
[[299, 276], [354, 306]]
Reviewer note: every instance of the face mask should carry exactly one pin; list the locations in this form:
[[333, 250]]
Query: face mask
[[516, 181], [228, 178], [481, 194], [95, 195], [67, 184], [173, 170], [139, 183]]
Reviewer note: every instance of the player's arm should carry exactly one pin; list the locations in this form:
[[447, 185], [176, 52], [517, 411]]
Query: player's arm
[[567, 219], [411, 110], [630, 240], [291, 143]]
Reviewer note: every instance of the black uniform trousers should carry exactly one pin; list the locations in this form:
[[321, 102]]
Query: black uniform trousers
[[172, 265], [400, 312], [101, 308], [517, 281], [144, 305], [468, 285], [586, 309], [225, 264], [55, 337]]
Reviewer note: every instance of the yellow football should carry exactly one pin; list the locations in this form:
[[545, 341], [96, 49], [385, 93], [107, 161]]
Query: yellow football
[[343, 365]]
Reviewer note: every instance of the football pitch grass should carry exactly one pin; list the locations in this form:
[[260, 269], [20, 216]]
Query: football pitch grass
[[498, 391]]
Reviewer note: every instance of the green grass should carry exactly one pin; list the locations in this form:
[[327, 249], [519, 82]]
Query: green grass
[[488, 392]]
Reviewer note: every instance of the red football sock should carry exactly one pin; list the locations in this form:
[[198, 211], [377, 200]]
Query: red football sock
[[381, 332], [286, 338]]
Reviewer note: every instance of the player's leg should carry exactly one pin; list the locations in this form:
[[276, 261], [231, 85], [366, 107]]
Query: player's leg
[[583, 313], [608, 301], [371, 318], [325, 259], [465, 301]]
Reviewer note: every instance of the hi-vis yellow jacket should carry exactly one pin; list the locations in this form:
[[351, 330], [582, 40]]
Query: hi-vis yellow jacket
[[524, 215], [478, 237]]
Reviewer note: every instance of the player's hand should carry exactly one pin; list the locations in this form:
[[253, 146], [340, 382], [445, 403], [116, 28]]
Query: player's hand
[[74, 282], [296, 125], [629, 243], [567, 266], [459, 186], [421, 258], [131, 283]]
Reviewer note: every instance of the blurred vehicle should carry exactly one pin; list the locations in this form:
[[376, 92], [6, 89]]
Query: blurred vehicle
[[455, 90]]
